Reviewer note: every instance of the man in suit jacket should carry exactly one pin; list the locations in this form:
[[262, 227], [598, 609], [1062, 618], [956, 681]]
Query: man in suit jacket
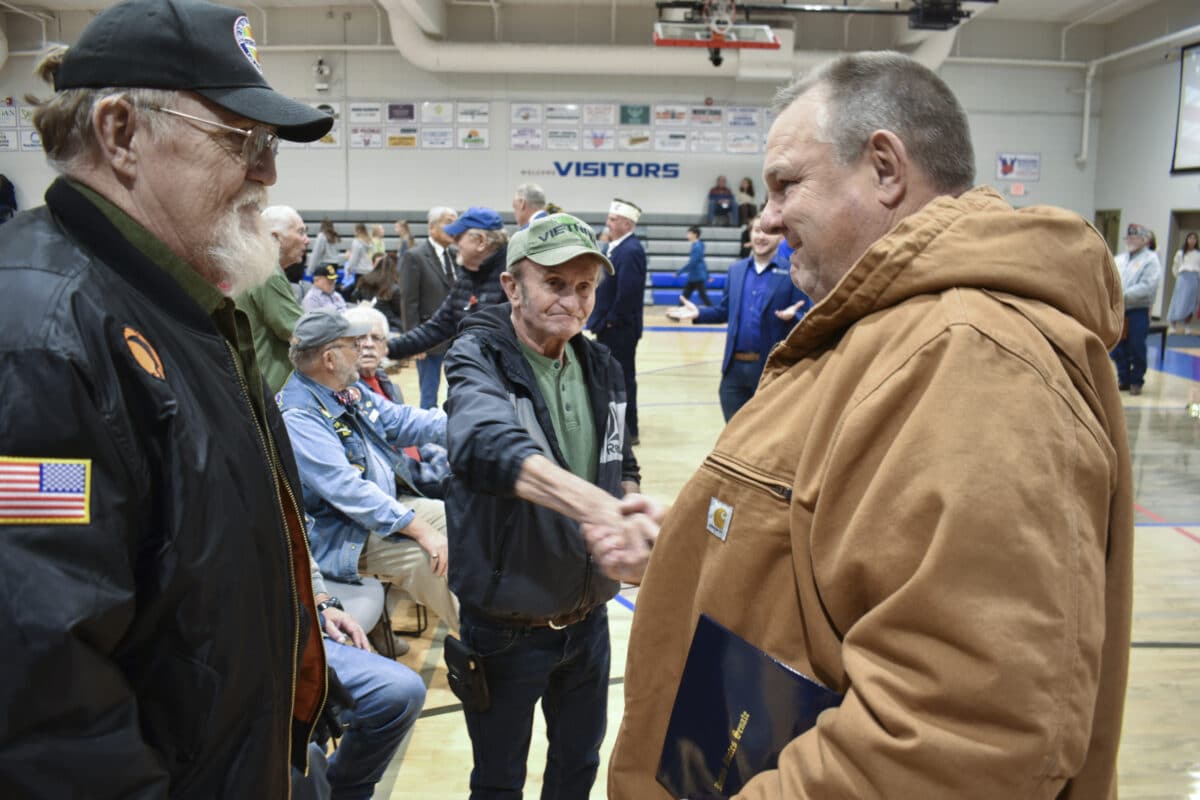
[[426, 275], [761, 305], [617, 317]]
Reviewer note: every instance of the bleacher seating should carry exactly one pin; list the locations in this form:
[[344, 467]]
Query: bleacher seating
[[663, 235]]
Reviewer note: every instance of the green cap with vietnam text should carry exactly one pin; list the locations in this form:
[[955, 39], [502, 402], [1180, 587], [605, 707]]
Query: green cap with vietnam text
[[555, 239]]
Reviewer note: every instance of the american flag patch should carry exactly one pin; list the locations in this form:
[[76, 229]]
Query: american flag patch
[[45, 490]]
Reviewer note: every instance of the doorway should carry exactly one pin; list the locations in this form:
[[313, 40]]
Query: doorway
[[1108, 222]]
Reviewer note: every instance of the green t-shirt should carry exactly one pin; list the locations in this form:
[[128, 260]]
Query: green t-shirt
[[566, 395]]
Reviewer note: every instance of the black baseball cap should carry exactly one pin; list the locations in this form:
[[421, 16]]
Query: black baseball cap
[[186, 45]]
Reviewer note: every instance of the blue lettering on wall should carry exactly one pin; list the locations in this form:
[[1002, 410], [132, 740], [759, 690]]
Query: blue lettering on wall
[[617, 169]]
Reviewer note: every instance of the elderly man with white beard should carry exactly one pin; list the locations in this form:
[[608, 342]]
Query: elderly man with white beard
[[160, 635]]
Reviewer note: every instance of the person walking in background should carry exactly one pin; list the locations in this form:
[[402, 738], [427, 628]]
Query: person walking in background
[[426, 278], [1186, 269], [747, 207], [620, 301], [761, 305], [695, 271], [324, 248], [1140, 275], [382, 287], [404, 240]]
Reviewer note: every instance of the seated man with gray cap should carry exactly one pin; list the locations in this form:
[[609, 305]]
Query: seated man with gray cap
[[538, 447], [360, 489], [160, 637]]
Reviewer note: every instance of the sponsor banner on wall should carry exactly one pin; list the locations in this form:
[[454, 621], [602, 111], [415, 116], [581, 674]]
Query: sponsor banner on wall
[[743, 117], [365, 114], [562, 139], [706, 142], [563, 113], [474, 112], [1018, 166], [634, 114], [10, 141], [403, 137], [526, 138], [671, 141], [31, 140], [9, 116], [473, 138], [526, 113], [330, 140], [598, 139], [670, 114], [635, 139], [707, 116], [402, 112], [599, 114], [364, 137], [25, 116], [742, 142], [437, 112], [437, 138]]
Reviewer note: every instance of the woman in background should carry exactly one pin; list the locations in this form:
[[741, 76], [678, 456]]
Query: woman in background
[[324, 250], [377, 246], [745, 199], [358, 257], [1186, 296], [382, 285], [406, 243]]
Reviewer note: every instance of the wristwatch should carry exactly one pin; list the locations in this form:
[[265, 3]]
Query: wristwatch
[[332, 602]]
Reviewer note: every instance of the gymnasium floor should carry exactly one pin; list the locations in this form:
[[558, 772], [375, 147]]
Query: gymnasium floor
[[678, 370]]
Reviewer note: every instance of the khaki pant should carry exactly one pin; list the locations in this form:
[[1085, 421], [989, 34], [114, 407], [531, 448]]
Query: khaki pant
[[400, 561]]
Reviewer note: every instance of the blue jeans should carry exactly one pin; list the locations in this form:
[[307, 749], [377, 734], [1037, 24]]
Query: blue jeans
[[721, 207], [738, 385], [429, 376], [1130, 354], [389, 698], [568, 671], [623, 343]]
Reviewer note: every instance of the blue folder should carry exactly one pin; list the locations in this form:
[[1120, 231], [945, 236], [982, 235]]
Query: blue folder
[[735, 710]]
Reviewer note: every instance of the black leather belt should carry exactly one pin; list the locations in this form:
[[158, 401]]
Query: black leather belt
[[554, 623], [747, 356]]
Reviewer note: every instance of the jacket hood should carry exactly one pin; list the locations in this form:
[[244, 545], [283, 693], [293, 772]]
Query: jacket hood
[[1050, 261]]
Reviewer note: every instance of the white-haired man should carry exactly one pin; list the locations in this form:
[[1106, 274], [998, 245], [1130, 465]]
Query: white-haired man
[[529, 203], [926, 506], [426, 276], [162, 638], [272, 308]]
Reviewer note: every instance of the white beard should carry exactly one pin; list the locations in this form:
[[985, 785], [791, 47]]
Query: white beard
[[243, 259]]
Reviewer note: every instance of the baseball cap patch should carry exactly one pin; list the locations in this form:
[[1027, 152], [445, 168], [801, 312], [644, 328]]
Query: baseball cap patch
[[245, 41]]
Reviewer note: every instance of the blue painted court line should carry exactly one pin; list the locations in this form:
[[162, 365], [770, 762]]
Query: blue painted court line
[[624, 601], [1167, 524], [697, 329], [1181, 365]]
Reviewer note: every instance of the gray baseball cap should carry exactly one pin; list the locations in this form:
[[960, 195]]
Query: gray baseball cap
[[324, 326], [555, 239]]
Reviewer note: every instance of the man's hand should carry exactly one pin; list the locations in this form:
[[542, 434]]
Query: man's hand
[[432, 542], [685, 312], [342, 628], [634, 503], [623, 552], [788, 314]]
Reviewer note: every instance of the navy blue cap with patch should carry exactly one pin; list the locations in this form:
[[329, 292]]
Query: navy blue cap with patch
[[186, 45]]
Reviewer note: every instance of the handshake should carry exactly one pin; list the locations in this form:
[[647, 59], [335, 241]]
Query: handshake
[[621, 534]]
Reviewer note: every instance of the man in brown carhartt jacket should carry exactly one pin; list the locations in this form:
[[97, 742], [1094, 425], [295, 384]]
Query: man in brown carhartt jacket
[[931, 493]]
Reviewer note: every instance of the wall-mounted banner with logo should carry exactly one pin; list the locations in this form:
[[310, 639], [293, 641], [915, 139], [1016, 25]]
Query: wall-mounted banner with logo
[[598, 139], [616, 169], [1018, 166], [474, 112], [635, 114], [562, 139]]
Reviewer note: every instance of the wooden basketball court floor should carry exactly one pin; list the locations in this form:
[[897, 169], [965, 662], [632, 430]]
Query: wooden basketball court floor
[[678, 372]]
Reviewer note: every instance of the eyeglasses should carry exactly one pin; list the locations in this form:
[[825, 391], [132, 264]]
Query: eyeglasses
[[355, 345], [257, 141]]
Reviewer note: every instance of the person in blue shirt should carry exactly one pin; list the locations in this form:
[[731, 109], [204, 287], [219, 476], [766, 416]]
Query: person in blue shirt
[[360, 490], [761, 305], [696, 269]]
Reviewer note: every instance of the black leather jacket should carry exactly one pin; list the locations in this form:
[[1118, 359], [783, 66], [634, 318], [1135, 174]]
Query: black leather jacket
[[152, 649], [510, 558]]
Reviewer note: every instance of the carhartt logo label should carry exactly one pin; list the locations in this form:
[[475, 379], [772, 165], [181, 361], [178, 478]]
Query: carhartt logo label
[[719, 516]]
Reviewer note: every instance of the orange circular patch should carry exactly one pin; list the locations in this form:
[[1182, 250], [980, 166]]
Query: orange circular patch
[[144, 353]]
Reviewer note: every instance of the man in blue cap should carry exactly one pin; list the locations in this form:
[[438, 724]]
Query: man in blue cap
[[163, 640], [481, 241]]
